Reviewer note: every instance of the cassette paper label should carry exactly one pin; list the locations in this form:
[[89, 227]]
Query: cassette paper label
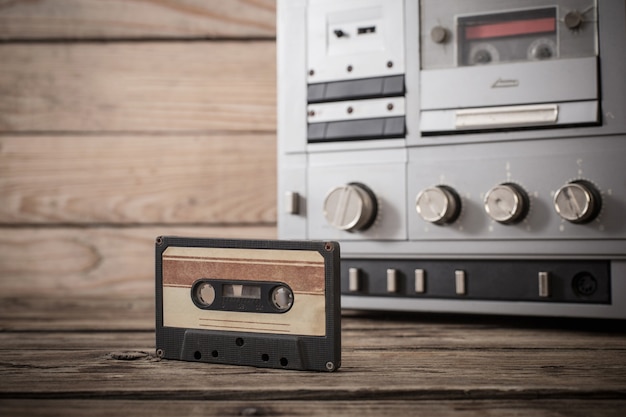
[[302, 271]]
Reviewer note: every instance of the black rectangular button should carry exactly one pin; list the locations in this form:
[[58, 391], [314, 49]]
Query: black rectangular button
[[356, 89], [362, 129]]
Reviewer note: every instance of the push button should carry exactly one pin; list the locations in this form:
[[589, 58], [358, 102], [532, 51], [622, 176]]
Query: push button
[[544, 284], [392, 280], [460, 282], [354, 284], [420, 281]]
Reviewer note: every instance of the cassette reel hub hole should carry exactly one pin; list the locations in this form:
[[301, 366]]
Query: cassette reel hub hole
[[282, 298], [205, 294]]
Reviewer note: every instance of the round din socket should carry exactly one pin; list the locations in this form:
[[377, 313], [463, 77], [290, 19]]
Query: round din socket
[[578, 201], [507, 203], [439, 204], [351, 207]]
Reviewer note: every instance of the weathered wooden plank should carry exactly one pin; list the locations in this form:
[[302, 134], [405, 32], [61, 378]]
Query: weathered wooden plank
[[371, 332], [98, 261], [460, 408], [152, 86], [149, 179], [389, 374], [438, 364], [79, 19]]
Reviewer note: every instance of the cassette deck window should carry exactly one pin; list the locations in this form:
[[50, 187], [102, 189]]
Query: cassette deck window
[[507, 37]]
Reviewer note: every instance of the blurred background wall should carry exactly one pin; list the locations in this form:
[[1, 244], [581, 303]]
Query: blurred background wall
[[123, 120]]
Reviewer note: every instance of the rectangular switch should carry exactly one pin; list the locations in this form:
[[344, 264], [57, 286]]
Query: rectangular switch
[[460, 284], [420, 281], [544, 284], [353, 280], [392, 280], [292, 202]]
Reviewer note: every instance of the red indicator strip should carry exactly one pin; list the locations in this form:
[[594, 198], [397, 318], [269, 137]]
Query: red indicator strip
[[515, 27]]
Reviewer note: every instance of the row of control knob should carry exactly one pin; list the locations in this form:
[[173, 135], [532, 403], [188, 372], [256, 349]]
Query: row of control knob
[[505, 203], [353, 207]]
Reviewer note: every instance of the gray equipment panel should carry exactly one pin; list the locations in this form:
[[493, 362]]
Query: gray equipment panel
[[500, 188]]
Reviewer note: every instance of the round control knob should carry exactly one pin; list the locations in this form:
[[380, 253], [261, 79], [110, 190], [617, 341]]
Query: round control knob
[[507, 203], [578, 202], [439, 34], [351, 207], [573, 19], [438, 205]]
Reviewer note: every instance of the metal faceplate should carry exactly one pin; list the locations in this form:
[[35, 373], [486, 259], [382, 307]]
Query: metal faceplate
[[530, 147]]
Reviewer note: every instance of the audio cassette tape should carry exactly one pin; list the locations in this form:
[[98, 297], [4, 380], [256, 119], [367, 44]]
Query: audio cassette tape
[[263, 303]]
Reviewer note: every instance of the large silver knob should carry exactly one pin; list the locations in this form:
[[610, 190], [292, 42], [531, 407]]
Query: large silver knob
[[578, 201], [351, 207], [439, 204], [507, 203]]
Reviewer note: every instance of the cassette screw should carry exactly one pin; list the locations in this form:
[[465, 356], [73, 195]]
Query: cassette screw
[[349, 69], [389, 64], [311, 73], [390, 106], [330, 366], [350, 110]]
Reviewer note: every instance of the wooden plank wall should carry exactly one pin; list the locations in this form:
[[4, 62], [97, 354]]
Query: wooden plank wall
[[123, 120]]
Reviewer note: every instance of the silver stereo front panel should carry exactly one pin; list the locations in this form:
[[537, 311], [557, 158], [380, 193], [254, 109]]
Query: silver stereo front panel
[[468, 155]]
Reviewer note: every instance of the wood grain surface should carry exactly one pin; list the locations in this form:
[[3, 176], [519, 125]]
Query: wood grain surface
[[149, 87], [126, 119], [322, 408], [80, 19], [101, 261], [392, 363], [138, 179]]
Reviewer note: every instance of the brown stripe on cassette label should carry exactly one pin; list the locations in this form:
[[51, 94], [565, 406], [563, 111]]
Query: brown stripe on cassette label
[[303, 271]]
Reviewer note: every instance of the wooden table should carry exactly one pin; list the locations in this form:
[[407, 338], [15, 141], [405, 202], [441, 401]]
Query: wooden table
[[94, 356]]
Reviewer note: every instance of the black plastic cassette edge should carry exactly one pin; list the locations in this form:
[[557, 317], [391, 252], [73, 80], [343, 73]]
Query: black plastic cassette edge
[[264, 303]]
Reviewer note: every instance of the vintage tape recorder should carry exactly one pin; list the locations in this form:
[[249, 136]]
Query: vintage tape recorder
[[470, 156]]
